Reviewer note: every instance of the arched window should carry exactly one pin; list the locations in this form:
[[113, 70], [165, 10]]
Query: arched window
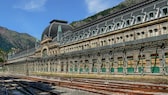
[[138, 34], [127, 36], [150, 31], [44, 53], [62, 66], [156, 30]]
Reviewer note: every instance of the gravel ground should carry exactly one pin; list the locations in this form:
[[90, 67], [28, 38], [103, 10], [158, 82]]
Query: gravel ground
[[67, 91]]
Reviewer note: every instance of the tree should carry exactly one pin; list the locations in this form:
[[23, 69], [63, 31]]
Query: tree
[[3, 55]]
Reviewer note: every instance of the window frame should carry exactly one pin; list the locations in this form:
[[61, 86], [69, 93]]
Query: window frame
[[162, 11], [126, 24], [149, 17]]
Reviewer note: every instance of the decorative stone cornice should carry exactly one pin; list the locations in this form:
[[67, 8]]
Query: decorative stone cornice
[[46, 40]]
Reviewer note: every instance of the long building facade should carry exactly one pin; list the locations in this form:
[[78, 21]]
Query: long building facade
[[130, 41]]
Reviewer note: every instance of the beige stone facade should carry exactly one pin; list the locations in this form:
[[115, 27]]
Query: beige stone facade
[[130, 41]]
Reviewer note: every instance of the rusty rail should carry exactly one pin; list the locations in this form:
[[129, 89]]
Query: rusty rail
[[99, 86]]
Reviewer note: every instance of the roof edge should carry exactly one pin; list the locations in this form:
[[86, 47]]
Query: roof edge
[[59, 21]]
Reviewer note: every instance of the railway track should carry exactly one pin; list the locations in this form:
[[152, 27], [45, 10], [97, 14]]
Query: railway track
[[14, 86], [106, 87]]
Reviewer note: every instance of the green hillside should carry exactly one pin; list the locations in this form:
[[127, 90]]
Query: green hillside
[[12, 39], [122, 5]]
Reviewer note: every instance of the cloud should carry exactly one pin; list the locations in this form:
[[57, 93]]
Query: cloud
[[95, 6], [31, 5]]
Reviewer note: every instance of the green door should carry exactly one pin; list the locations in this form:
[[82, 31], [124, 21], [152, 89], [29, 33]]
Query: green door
[[71, 70], [103, 69], [81, 69], [120, 70], [155, 69], [112, 69], [140, 69], [76, 69], [86, 69], [130, 70], [94, 69], [166, 69]]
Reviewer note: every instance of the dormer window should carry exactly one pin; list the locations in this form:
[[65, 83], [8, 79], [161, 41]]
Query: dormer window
[[165, 11], [102, 29], [85, 35], [150, 15], [139, 19], [128, 22], [117, 25], [93, 32], [110, 27]]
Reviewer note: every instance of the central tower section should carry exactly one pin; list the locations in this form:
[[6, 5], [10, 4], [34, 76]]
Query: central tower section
[[53, 36]]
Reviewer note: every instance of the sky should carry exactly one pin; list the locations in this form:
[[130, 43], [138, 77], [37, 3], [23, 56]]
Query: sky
[[33, 16]]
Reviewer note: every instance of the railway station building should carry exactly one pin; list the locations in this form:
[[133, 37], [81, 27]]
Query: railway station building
[[133, 40]]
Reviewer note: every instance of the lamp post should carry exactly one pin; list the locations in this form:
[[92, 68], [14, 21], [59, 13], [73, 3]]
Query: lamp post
[[27, 69]]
